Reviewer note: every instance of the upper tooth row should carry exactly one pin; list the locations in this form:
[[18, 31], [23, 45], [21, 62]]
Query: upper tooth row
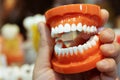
[[73, 27], [73, 50]]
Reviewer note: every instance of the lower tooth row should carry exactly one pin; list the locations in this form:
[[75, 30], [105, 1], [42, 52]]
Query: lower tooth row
[[73, 50]]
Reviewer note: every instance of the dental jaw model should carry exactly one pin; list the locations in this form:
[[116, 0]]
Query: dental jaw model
[[75, 27]]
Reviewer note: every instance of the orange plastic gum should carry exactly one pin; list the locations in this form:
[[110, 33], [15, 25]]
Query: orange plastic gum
[[75, 13]]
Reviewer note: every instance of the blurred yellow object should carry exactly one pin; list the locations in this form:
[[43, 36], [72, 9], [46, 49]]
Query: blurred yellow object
[[12, 44], [31, 24], [35, 36], [13, 50]]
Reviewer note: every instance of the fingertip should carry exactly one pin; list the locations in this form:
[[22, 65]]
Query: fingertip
[[106, 65], [107, 35], [104, 15], [40, 26]]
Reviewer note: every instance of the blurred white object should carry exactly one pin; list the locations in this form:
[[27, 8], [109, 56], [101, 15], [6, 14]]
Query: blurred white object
[[9, 31], [24, 72], [31, 45], [3, 59], [31, 20]]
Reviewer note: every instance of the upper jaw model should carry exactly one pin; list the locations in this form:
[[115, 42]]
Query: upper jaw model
[[75, 29]]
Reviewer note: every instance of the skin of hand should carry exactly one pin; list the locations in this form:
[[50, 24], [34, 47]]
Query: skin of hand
[[106, 69]]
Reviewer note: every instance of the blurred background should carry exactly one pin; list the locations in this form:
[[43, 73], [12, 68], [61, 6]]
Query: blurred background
[[19, 35]]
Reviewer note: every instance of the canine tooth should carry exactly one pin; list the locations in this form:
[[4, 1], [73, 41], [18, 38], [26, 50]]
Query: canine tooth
[[93, 43], [56, 30], [73, 27], [59, 51], [67, 27], [85, 46], [79, 27], [56, 49], [84, 28], [96, 38], [80, 48], [61, 28], [75, 50], [95, 29], [52, 32], [70, 50], [89, 44]]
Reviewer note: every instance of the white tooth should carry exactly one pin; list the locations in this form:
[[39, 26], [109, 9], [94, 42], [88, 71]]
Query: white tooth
[[93, 43], [59, 51], [56, 30], [88, 29], [79, 27], [66, 51], [70, 50], [95, 29], [52, 32], [75, 50], [85, 46], [92, 29], [89, 44], [84, 28], [91, 38], [96, 38], [61, 28], [80, 48], [56, 49], [67, 27], [73, 27], [62, 51]]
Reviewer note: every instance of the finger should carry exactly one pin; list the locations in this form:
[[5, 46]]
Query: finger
[[111, 50], [107, 35], [104, 15], [108, 68], [46, 48], [46, 40]]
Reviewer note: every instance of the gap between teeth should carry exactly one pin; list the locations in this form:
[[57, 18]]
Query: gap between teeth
[[74, 50], [67, 28]]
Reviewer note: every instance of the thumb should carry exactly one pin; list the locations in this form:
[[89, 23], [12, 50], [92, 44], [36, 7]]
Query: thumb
[[45, 48]]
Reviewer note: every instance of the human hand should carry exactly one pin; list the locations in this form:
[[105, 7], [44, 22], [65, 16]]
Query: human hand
[[106, 69]]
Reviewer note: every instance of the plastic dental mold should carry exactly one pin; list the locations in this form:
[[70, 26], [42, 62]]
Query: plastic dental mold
[[75, 29]]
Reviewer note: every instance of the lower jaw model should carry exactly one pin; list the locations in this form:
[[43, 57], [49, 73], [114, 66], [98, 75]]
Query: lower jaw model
[[77, 41]]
